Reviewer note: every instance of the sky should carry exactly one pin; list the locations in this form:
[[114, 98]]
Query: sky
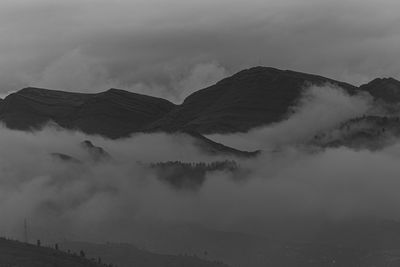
[[173, 48]]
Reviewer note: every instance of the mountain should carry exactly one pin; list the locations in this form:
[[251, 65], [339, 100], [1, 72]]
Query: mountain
[[113, 113], [248, 99], [385, 89]]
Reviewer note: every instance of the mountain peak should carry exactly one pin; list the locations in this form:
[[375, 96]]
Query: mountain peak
[[247, 99], [259, 73], [386, 89], [385, 80]]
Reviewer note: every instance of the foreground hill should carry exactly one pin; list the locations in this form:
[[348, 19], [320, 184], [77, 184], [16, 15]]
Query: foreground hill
[[14, 253], [18, 254]]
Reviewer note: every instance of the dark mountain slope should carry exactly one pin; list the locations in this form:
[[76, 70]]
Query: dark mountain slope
[[386, 89], [114, 113], [250, 98]]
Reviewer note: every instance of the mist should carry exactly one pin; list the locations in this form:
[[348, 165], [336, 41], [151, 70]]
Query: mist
[[289, 182], [320, 108]]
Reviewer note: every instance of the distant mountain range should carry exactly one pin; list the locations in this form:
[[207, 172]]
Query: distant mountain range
[[250, 98]]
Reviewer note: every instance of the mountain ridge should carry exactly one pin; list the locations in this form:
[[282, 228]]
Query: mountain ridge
[[250, 98], [226, 107]]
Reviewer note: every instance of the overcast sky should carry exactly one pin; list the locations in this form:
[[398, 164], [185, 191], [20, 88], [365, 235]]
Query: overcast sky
[[170, 48]]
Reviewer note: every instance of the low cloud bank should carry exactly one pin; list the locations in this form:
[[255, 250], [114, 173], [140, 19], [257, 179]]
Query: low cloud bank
[[108, 200], [319, 109]]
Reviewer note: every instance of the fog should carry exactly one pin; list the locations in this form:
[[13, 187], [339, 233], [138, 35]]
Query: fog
[[319, 109], [108, 200]]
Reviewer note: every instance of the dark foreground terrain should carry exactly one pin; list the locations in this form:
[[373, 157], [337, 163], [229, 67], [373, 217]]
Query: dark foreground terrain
[[17, 254], [259, 252]]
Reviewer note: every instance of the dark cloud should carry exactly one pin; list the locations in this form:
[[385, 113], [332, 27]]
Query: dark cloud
[[151, 46]]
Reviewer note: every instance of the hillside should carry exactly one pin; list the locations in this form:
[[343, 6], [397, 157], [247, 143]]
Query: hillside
[[14, 253]]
